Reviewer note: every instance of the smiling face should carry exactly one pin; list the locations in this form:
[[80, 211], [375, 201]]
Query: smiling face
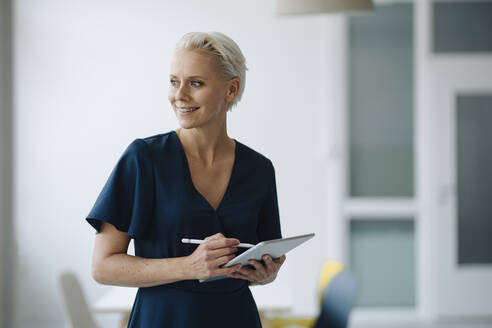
[[198, 94]]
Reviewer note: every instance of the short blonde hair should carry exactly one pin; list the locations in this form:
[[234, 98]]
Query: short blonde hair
[[230, 59]]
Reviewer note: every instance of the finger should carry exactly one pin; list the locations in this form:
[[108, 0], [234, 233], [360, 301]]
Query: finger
[[247, 271], [216, 253], [257, 265], [223, 242], [261, 271], [268, 260], [229, 270], [222, 260], [239, 276], [216, 236], [252, 274], [280, 260], [270, 266]]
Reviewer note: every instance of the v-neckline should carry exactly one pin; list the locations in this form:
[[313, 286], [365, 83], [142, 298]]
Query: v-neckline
[[190, 180]]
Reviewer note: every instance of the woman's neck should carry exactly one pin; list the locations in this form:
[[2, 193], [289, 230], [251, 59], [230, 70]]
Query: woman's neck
[[206, 144]]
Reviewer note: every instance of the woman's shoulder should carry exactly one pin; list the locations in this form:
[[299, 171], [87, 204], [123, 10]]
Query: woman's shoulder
[[156, 139], [254, 157], [148, 145]]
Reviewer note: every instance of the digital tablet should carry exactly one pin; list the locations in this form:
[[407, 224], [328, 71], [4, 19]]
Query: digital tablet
[[275, 248]]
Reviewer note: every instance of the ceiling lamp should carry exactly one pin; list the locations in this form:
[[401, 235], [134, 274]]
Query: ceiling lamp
[[321, 6]]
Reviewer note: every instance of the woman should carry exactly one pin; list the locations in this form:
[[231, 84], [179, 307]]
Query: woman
[[194, 182]]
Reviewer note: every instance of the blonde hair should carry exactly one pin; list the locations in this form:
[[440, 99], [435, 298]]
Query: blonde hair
[[230, 59]]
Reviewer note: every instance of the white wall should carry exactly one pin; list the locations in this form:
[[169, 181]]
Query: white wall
[[90, 76]]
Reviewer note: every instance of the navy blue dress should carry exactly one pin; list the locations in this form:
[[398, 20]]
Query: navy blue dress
[[150, 195]]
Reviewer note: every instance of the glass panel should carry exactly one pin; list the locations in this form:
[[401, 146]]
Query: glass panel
[[474, 159], [462, 26], [381, 102], [382, 257]]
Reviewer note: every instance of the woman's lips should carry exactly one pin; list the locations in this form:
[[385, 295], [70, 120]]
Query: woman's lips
[[186, 110]]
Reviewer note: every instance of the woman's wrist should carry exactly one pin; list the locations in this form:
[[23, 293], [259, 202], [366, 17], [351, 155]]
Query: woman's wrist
[[184, 269]]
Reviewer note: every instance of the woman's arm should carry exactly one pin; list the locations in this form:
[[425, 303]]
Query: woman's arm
[[111, 265]]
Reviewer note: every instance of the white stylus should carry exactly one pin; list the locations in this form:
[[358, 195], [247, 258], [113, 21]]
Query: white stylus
[[199, 241]]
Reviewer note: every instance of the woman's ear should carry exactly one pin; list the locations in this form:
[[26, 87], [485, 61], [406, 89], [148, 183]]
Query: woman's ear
[[233, 89]]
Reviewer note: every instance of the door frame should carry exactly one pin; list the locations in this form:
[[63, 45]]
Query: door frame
[[6, 166], [461, 291]]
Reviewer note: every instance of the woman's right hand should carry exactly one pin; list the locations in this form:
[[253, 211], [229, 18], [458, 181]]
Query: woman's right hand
[[206, 260]]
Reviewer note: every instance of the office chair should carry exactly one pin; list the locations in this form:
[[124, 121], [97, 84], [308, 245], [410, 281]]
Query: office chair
[[337, 288], [75, 302], [338, 300]]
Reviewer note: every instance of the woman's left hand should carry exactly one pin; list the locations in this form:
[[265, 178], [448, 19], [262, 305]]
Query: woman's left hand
[[262, 273]]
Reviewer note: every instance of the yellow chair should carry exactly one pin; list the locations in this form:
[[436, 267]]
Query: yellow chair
[[328, 271]]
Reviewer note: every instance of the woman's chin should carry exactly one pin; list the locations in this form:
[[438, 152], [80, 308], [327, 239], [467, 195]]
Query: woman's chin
[[186, 124]]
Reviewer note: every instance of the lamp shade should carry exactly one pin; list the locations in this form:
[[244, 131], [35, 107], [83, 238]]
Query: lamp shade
[[321, 6]]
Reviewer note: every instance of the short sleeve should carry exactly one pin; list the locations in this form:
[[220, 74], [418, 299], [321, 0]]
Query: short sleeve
[[269, 219], [127, 199]]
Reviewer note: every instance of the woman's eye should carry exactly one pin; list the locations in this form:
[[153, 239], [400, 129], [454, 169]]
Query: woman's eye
[[196, 83]]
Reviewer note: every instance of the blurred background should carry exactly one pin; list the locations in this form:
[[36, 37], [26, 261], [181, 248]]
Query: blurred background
[[378, 123]]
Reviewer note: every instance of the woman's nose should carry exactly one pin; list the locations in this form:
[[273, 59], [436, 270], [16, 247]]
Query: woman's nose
[[181, 93]]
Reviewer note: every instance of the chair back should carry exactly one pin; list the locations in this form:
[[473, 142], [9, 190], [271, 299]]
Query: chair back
[[75, 302], [338, 300], [329, 269]]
